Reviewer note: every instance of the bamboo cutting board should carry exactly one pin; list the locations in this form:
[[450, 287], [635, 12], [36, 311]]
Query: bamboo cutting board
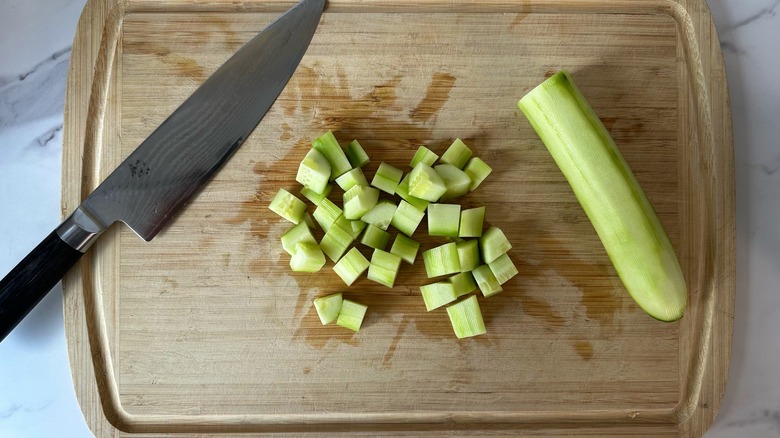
[[206, 330]]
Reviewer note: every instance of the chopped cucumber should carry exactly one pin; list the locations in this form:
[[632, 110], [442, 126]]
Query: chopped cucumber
[[455, 180], [403, 191], [384, 267], [477, 170], [381, 215], [316, 197], [423, 155], [330, 148], [328, 308], [443, 220], [358, 200], [425, 183], [471, 221], [335, 242], [356, 155], [374, 237], [406, 218], [351, 266], [441, 260], [493, 243], [352, 178], [327, 213], [457, 154], [286, 205], [438, 294], [464, 283], [351, 315], [503, 268], [468, 254], [405, 248], [354, 228], [308, 220], [299, 233], [314, 171], [486, 281], [466, 318], [308, 257], [387, 178], [608, 191]]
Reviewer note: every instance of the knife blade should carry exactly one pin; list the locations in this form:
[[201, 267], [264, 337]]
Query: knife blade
[[167, 169]]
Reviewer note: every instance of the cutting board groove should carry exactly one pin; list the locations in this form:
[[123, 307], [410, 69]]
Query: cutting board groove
[[205, 329]]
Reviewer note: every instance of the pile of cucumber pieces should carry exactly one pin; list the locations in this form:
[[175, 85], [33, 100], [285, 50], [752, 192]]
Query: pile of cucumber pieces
[[472, 259]]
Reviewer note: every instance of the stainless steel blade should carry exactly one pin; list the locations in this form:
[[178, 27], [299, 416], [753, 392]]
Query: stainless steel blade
[[184, 152]]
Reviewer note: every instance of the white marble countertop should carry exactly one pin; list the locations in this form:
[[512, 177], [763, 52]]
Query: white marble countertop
[[36, 392]]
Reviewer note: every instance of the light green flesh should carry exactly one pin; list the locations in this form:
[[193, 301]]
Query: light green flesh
[[455, 180], [352, 178], [351, 266], [374, 237], [493, 243], [464, 283], [328, 308], [288, 206], [358, 200], [478, 171], [297, 234], [471, 221], [608, 191], [335, 242], [356, 155], [403, 191], [466, 318], [468, 254], [457, 154], [314, 171], [425, 183], [307, 219], [316, 197], [486, 281], [354, 228], [443, 220], [441, 260], [406, 218], [351, 315], [381, 215], [330, 148], [327, 213], [387, 178], [405, 248], [438, 294], [384, 267], [423, 155], [308, 257], [503, 268]]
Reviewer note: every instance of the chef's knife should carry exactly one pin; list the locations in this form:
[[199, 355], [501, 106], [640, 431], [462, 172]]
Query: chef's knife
[[174, 162]]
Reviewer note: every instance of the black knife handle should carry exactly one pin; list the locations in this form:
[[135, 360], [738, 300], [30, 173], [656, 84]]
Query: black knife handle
[[25, 286]]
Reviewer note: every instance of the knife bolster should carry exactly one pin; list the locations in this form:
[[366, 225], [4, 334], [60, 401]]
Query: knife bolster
[[80, 230]]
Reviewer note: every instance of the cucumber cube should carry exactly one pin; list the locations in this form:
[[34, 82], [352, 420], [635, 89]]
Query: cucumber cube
[[358, 200], [351, 266], [351, 315], [423, 155], [308, 257], [486, 281], [477, 170], [384, 267], [314, 171], [328, 308], [443, 220], [297, 234], [405, 248], [387, 178], [503, 268], [438, 294], [457, 154], [466, 318], [328, 146], [374, 237], [468, 254], [442, 260], [352, 178], [455, 180], [356, 155], [286, 205], [406, 218], [493, 243], [471, 221], [425, 183]]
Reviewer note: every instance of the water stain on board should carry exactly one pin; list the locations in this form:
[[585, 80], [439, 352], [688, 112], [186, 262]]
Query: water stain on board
[[182, 65], [326, 102], [584, 349]]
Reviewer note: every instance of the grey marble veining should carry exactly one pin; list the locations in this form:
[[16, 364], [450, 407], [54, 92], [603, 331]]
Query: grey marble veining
[[36, 394]]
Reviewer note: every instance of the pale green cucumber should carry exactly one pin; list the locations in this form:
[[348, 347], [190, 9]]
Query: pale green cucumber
[[466, 318], [328, 308], [608, 191]]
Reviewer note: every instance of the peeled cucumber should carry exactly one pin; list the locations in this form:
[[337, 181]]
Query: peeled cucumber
[[608, 191]]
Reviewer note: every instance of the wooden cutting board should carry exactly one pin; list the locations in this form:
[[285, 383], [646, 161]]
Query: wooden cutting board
[[206, 330]]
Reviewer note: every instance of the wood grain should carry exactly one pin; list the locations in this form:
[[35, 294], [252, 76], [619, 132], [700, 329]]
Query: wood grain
[[206, 330]]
